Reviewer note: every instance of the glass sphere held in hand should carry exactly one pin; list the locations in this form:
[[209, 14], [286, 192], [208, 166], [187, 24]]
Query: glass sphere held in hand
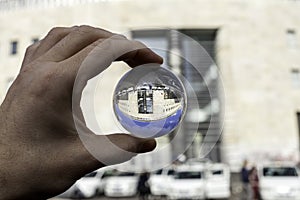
[[149, 101]]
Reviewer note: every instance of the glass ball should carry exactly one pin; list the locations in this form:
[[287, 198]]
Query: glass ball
[[149, 101]]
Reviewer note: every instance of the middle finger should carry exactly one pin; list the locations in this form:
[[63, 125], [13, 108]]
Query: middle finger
[[74, 42]]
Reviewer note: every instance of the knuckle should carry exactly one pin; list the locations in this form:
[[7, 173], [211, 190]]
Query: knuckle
[[49, 75], [139, 44], [45, 83], [55, 30], [58, 32], [85, 28], [119, 37], [75, 27], [94, 32], [31, 47]]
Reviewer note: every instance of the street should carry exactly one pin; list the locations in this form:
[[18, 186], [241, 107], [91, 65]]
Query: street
[[236, 189]]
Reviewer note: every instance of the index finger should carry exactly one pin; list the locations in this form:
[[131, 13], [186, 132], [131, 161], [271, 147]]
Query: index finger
[[140, 57], [95, 58]]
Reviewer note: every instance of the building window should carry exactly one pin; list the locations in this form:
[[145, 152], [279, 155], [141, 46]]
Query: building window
[[298, 119], [295, 76], [291, 38], [169, 43], [14, 47], [34, 40]]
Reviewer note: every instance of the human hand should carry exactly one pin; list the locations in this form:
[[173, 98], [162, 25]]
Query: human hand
[[41, 154]]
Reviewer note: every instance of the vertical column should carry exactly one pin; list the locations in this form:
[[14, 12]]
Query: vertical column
[[175, 63]]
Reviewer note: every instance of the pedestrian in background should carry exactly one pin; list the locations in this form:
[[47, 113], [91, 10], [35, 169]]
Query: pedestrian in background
[[143, 186], [253, 179], [246, 194]]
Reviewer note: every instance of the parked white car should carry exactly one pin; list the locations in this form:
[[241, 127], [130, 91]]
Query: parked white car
[[123, 184], [187, 183], [89, 186], [198, 161], [217, 181], [279, 181], [160, 180]]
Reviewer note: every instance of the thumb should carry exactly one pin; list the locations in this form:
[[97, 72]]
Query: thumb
[[115, 148], [111, 149], [132, 144]]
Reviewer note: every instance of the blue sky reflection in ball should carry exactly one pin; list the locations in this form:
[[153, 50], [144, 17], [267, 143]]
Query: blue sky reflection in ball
[[149, 101]]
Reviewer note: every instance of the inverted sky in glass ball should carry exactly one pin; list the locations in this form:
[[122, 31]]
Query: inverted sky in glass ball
[[149, 101]]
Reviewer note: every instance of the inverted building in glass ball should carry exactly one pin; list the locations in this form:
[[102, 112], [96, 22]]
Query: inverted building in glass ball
[[149, 101]]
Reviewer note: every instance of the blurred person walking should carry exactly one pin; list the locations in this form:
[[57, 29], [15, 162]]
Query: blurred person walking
[[143, 186], [246, 193], [253, 179]]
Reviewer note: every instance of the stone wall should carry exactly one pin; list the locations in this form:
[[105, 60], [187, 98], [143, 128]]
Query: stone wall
[[252, 53]]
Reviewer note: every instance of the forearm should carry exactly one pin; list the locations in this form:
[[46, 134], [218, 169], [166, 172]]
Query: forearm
[[17, 169], [10, 172]]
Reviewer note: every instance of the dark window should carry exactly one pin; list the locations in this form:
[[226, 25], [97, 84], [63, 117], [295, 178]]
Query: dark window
[[217, 172], [14, 47], [158, 172], [145, 101], [279, 171], [171, 41], [295, 76], [291, 31], [108, 174], [298, 119], [171, 172], [188, 175], [34, 40], [291, 37], [123, 174], [92, 174]]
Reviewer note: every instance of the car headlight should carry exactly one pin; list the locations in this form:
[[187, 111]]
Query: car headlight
[[283, 190]]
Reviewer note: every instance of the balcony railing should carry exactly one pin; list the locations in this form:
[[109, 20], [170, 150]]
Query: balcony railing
[[6, 5]]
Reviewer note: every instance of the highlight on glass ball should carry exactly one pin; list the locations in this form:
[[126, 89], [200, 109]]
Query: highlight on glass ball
[[149, 101]]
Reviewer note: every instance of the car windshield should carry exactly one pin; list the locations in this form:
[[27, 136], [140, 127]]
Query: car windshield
[[171, 172], [279, 171], [108, 174], [188, 175], [126, 174], [217, 172], [158, 172], [92, 174]]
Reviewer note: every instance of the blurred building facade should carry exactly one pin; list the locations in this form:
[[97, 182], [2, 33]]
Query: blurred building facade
[[255, 45]]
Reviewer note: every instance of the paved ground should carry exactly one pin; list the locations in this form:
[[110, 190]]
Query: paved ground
[[236, 189]]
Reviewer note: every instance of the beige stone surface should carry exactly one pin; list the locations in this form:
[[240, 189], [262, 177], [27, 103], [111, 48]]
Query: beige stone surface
[[252, 54]]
